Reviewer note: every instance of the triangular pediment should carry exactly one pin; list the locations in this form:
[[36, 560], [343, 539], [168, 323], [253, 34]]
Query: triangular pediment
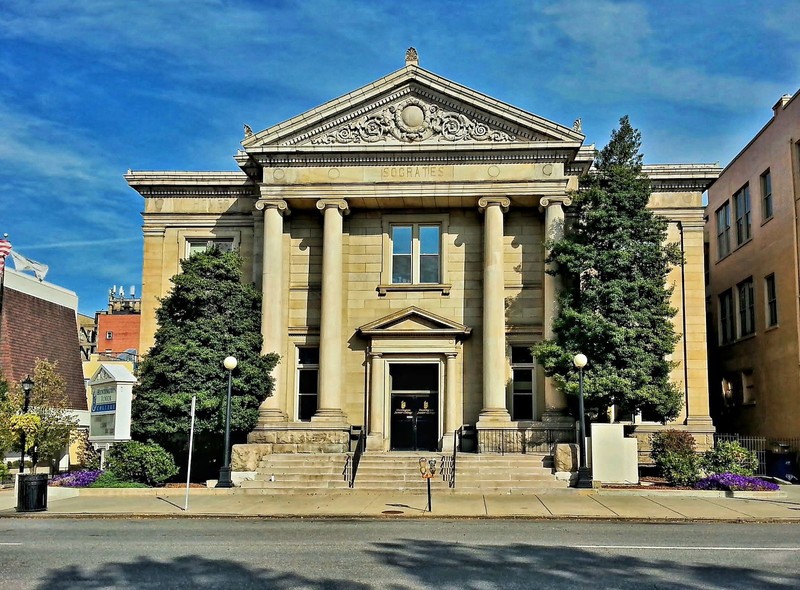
[[112, 373], [413, 321], [412, 107]]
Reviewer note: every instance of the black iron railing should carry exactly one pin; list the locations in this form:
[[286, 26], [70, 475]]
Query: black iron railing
[[448, 463], [762, 446], [352, 461], [521, 441]]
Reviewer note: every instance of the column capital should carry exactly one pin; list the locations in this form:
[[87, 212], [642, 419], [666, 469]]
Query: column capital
[[279, 204], [486, 202], [545, 202], [450, 355], [374, 355], [340, 204]]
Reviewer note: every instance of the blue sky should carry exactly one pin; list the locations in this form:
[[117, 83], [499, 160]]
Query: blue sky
[[89, 89]]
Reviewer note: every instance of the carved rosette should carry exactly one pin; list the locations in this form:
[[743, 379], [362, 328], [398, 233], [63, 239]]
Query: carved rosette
[[413, 120]]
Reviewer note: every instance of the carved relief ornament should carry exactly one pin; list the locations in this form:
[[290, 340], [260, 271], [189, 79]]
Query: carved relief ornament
[[413, 120]]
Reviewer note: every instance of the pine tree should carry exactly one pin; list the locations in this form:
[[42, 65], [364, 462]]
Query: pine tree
[[615, 306], [209, 315]]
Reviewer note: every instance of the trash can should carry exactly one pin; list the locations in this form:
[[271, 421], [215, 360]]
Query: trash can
[[32, 493], [469, 438], [781, 463]]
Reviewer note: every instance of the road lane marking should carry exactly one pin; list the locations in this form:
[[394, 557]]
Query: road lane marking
[[1, 543], [677, 547]]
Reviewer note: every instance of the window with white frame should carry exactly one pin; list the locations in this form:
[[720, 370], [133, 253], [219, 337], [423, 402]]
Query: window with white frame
[[747, 308], [109, 335], [202, 244], [416, 253], [742, 201], [724, 230], [307, 381], [771, 298], [726, 317], [766, 195], [522, 383]]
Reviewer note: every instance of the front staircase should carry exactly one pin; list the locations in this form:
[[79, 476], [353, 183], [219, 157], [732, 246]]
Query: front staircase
[[383, 472]]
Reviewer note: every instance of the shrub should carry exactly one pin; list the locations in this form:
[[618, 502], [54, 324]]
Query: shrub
[[88, 457], [3, 471], [730, 457], [680, 469], [76, 479], [733, 482], [109, 480], [143, 463], [673, 453], [671, 441]]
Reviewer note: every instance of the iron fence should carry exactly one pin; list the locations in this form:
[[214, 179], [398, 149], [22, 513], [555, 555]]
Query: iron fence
[[763, 447]]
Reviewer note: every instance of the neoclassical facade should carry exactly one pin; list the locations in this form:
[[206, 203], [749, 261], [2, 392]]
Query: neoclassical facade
[[398, 235]]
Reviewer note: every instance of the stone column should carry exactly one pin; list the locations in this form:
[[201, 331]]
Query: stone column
[[273, 331], [376, 406], [494, 313], [555, 401], [452, 402], [330, 330], [693, 350]]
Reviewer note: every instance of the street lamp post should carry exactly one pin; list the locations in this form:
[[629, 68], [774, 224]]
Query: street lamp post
[[224, 480], [584, 472], [27, 387]]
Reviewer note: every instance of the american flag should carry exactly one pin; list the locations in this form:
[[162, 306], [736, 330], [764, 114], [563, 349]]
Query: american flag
[[5, 250]]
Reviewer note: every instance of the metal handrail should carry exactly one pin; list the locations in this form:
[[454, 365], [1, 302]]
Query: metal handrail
[[360, 447], [448, 469]]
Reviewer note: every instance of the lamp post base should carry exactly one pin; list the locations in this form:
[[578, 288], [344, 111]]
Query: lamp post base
[[224, 480], [584, 478]]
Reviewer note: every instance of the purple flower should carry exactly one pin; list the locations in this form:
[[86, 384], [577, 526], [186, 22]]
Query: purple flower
[[734, 483], [76, 479]]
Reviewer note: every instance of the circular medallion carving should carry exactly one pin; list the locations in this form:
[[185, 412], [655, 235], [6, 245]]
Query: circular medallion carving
[[413, 116], [547, 169], [278, 174], [333, 173], [494, 171]]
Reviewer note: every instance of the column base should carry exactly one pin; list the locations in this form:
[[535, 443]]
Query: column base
[[375, 442], [493, 418], [270, 416], [329, 417], [448, 442]]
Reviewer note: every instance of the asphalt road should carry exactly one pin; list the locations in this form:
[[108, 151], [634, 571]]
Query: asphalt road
[[85, 554]]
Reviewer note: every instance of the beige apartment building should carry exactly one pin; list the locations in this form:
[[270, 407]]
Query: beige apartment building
[[752, 222], [398, 235]]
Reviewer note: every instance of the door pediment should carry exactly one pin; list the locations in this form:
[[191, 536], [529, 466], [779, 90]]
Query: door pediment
[[414, 322]]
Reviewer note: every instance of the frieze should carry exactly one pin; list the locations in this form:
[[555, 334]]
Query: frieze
[[413, 120]]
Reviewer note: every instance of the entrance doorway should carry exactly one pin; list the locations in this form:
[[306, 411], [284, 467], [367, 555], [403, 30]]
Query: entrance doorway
[[415, 406]]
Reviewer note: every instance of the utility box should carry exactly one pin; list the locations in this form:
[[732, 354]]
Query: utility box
[[614, 458], [110, 414]]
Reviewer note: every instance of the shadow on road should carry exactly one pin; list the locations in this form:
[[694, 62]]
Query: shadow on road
[[453, 565], [183, 572]]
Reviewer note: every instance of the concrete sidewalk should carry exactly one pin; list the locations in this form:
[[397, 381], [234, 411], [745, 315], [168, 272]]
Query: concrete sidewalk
[[604, 504]]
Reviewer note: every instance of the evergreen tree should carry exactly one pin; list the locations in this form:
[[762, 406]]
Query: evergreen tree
[[615, 307], [208, 315]]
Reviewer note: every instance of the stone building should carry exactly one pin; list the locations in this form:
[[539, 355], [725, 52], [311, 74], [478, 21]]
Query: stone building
[[752, 226], [398, 234]]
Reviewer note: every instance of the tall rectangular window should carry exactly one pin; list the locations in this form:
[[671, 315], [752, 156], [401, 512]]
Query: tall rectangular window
[[747, 311], [307, 382], [742, 200], [522, 383], [724, 230], [726, 318], [401, 253], [766, 195], [771, 297], [416, 253]]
